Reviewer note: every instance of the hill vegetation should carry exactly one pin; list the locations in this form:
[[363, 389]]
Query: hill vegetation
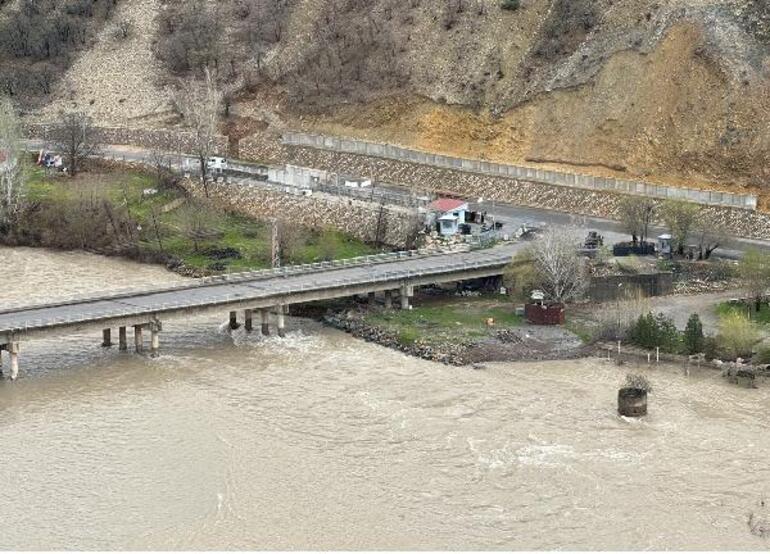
[[668, 89]]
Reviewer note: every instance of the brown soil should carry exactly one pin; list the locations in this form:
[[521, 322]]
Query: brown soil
[[661, 117]]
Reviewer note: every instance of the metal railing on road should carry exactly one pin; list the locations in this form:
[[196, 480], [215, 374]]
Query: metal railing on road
[[236, 278]]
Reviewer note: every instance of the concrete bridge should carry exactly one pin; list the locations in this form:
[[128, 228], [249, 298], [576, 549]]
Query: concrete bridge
[[267, 293]]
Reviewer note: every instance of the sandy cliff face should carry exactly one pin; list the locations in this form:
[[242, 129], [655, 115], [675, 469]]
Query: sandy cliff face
[[677, 90]]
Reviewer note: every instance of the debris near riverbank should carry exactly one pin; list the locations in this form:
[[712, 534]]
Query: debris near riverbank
[[450, 354], [458, 330]]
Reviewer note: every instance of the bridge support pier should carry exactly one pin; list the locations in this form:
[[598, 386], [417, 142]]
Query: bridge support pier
[[371, 298], [248, 320], [388, 300], [154, 342], [280, 316], [407, 291], [265, 317], [122, 342], [234, 321], [138, 339], [106, 338], [13, 350]]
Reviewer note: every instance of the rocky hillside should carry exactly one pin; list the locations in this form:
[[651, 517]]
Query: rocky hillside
[[675, 90]]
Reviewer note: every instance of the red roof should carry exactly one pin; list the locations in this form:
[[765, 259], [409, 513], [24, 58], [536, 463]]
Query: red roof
[[446, 204]]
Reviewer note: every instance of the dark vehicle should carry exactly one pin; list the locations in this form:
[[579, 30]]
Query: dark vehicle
[[631, 249], [593, 241]]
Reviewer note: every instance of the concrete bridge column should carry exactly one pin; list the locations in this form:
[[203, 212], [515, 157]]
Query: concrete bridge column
[[122, 342], [281, 317], [138, 339], [234, 321], [106, 338], [407, 291], [155, 328], [265, 317], [248, 321], [388, 300], [13, 350], [154, 341], [371, 298]]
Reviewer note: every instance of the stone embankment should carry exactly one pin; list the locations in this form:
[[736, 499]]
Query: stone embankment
[[370, 222], [595, 203], [450, 354]]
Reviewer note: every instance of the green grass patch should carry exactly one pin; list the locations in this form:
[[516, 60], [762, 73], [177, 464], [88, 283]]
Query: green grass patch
[[231, 242], [728, 308], [442, 320]]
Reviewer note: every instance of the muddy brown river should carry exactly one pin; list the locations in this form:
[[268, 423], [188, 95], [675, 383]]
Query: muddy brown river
[[320, 441]]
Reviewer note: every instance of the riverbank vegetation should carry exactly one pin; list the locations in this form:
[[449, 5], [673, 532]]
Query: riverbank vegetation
[[141, 215], [451, 319]]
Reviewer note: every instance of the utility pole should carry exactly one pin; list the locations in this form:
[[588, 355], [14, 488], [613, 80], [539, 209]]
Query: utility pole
[[276, 253]]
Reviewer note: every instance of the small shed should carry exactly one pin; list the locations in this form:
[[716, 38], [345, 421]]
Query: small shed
[[450, 214], [664, 244]]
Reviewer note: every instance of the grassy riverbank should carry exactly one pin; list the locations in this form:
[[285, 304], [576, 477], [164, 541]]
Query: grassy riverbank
[[457, 330], [128, 212], [443, 319]]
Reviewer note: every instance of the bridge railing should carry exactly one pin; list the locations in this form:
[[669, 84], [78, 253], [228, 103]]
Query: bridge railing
[[374, 278], [235, 278]]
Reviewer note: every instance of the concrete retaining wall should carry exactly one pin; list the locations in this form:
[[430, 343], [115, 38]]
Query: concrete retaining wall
[[562, 179], [598, 203], [359, 219], [604, 289], [165, 140]]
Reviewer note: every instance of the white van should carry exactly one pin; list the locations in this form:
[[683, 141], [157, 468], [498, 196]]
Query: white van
[[216, 164]]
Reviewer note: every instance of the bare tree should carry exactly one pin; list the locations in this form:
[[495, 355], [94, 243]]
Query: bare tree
[[11, 174], [754, 269], [562, 273], [198, 224], [200, 104], [711, 234], [680, 217], [636, 214], [75, 136]]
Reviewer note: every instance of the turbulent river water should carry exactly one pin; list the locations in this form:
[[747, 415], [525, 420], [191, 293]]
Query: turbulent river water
[[321, 441]]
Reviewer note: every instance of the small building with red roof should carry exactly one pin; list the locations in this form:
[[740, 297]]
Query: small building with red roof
[[450, 214]]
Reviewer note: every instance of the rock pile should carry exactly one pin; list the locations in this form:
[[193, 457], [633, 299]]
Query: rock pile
[[450, 354]]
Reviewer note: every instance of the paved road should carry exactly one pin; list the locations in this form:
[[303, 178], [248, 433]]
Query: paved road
[[510, 215], [513, 217], [258, 290]]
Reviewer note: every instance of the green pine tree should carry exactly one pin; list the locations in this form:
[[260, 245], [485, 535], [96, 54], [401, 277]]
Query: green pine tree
[[693, 335]]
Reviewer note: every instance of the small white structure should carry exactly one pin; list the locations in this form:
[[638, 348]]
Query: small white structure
[[450, 215], [216, 164], [664, 244], [358, 183]]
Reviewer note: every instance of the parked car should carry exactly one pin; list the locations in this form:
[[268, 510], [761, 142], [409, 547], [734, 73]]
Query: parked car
[[216, 164]]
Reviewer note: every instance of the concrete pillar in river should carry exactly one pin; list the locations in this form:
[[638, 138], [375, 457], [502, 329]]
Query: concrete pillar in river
[[154, 341], [248, 320], [138, 339], [13, 350], [122, 341], [107, 338], [233, 321], [281, 321], [265, 317]]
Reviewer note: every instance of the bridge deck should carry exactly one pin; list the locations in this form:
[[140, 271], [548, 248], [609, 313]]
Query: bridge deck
[[333, 282]]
